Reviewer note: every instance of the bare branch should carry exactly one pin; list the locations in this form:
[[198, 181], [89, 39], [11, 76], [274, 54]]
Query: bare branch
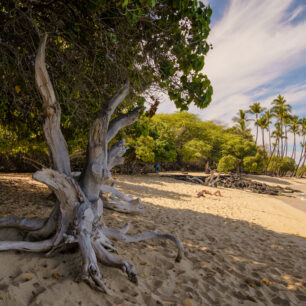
[[115, 154], [118, 98], [96, 170], [120, 122], [52, 111]]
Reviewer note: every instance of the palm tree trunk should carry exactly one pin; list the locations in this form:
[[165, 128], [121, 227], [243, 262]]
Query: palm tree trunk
[[300, 159], [282, 142], [270, 147], [263, 138], [286, 141], [294, 144], [256, 129], [302, 167], [272, 153]]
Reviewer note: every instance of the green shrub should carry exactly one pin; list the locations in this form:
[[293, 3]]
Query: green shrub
[[281, 165], [254, 163], [227, 163], [287, 165]]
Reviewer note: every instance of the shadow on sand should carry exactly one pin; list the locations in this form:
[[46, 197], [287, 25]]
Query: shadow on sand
[[227, 262]]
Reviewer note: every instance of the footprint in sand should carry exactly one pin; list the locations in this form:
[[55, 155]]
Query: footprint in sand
[[157, 284], [279, 301]]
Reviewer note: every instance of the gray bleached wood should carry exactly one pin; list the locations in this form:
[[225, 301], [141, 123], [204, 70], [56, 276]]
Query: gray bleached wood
[[52, 111], [27, 224], [77, 215], [120, 205], [115, 154]]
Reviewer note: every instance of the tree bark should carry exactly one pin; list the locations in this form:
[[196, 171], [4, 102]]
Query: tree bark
[[52, 112], [77, 215]]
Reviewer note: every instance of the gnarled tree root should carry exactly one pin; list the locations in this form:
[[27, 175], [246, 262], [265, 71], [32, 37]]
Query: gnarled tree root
[[79, 221], [27, 224], [116, 200]]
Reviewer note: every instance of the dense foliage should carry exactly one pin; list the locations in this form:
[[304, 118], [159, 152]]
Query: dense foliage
[[227, 163], [186, 142], [275, 153], [93, 47]]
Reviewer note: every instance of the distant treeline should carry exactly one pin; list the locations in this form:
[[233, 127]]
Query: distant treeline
[[181, 141]]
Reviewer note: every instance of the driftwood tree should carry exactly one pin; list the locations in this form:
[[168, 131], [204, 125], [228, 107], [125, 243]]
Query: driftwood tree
[[81, 197]]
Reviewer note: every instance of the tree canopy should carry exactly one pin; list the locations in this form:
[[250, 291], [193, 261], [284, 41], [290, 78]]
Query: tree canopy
[[93, 47]]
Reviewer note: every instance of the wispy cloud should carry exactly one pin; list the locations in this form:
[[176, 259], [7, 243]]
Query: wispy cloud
[[254, 43], [296, 13]]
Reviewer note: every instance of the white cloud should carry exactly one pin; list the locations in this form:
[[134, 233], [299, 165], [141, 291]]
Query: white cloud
[[253, 44], [296, 12]]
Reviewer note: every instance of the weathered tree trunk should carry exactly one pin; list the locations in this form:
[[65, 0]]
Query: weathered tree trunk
[[78, 211]]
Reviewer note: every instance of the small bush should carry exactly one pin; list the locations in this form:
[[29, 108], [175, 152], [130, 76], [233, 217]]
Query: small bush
[[227, 163], [254, 164], [287, 165]]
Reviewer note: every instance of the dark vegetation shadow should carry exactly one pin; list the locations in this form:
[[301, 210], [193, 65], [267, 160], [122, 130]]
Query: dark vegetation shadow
[[268, 179], [234, 260], [133, 189]]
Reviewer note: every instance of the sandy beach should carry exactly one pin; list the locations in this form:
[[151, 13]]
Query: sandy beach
[[240, 249]]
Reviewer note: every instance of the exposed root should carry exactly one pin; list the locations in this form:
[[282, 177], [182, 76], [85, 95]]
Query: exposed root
[[26, 224], [107, 259], [40, 246], [113, 231], [99, 237], [120, 235], [91, 272], [78, 221], [49, 228], [116, 200], [115, 192]]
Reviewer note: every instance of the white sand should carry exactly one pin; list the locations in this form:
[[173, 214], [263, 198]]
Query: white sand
[[242, 248]]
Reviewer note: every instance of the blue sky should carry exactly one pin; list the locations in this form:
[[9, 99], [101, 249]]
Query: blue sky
[[259, 51]]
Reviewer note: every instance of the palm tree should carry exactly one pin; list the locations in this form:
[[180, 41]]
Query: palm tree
[[287, 120], [277, 134], [263, 123], [256, 109], [303, 163], [269, 116], [242, 120], [294, 127], [303, 144], [281, 110]]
